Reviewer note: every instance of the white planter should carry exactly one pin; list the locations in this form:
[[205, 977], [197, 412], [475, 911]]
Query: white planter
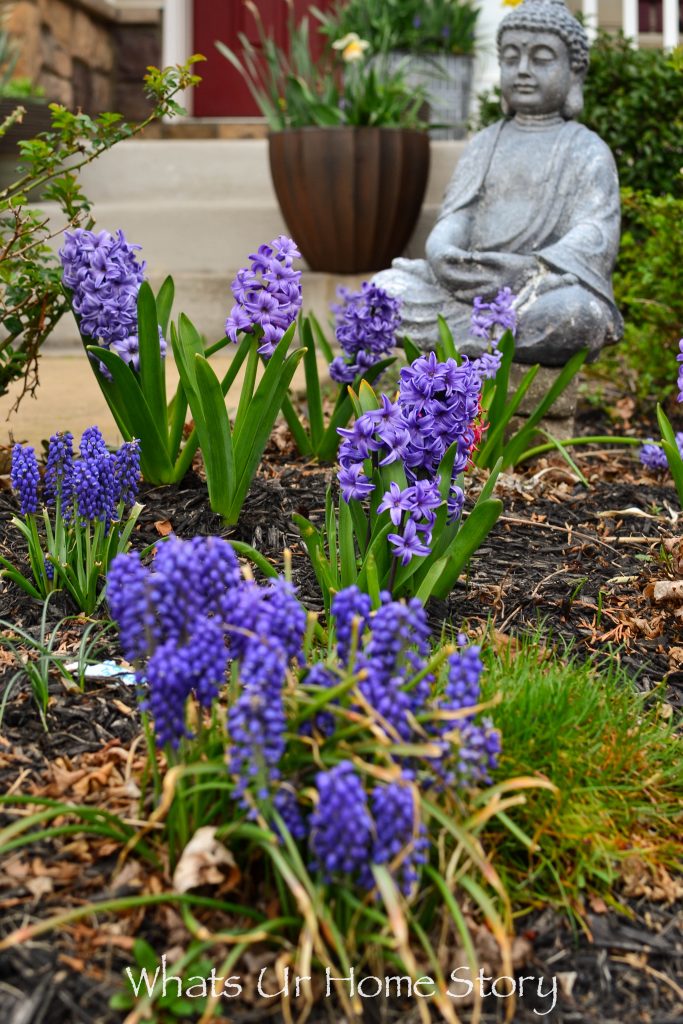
[[447, 79]]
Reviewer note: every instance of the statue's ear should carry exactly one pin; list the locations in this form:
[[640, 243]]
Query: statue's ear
[[505, 106], [573, 105]]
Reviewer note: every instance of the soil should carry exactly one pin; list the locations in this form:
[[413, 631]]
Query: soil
[[579, 563]]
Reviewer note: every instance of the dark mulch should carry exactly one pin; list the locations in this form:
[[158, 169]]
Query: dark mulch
[[575, 562]]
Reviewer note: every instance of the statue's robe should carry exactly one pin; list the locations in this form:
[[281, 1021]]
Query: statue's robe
[[570, 224]]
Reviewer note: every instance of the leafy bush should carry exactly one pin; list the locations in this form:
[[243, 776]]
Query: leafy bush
[[647, 290], [633, 99]]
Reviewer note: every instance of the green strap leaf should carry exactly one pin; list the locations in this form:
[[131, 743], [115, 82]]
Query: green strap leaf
[[164, 303], [152, 369], [133, 411], [215, 439], [347, 551], [471, 536], [256, 557], [520, 441], [313, 396]]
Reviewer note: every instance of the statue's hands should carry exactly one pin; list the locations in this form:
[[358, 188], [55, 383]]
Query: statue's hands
[[459, 271], [508, 269], [471, 274]]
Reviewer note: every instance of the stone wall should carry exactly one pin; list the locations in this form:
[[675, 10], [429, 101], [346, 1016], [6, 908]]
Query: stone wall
[[84, 55]]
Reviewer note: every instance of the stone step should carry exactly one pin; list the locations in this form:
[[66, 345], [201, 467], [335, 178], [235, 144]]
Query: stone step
[[211, 169]]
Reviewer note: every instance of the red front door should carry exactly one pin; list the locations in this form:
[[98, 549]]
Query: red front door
[[223, 92]]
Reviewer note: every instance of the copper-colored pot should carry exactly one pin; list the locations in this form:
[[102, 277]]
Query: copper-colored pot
[[350, 196]]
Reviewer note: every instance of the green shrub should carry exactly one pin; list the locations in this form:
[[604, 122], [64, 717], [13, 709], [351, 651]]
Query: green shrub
[[633, 99], [648, 292]]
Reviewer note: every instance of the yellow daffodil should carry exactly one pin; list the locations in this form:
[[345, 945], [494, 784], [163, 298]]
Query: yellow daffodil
[[352, 47]]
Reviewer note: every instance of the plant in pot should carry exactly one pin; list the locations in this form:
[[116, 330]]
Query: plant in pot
[[435, 39], [349, 152]]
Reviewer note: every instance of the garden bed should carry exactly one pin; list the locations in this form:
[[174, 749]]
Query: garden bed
[[576, 563]]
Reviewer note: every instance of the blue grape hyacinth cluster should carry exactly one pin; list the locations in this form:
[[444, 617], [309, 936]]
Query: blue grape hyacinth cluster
[[183, 617], [186, 617], [92, 487], [437, 406], [103, 274], [350, 830], [267, 294], [367, 324]]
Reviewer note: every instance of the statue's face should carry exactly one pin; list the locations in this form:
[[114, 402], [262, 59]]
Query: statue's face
[[535, 74]]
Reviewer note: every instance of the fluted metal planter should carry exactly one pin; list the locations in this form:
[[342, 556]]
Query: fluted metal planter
[[350, 196]]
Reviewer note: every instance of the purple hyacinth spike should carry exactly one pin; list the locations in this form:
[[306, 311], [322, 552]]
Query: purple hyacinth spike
[[491, 319], [267, 294], [367, 325]]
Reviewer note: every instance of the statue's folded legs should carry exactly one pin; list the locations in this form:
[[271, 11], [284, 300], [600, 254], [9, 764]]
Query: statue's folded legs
[[552, 324]]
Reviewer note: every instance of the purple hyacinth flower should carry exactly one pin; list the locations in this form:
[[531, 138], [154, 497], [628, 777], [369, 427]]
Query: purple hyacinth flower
[[396, 502], [491, 319], [408, 544], [679, 359], [354, 483], [367, 325]]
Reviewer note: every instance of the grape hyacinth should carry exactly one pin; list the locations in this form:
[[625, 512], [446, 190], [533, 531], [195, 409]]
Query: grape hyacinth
[[679, 359], [367, 324], [477, 744], [25, 478], [341, 826], [396, 649], [348, 606], [267, 294], [256, 721], [58, 479], [193, 605], [398, 829], [103, 274]]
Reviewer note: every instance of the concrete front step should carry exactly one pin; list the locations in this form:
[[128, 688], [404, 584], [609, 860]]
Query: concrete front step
[[220, 169]]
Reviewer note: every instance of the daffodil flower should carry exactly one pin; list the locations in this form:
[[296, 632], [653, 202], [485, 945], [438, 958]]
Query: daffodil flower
[[352, 47]]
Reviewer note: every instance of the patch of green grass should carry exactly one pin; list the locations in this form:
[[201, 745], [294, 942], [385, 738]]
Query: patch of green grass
[[613, 755]]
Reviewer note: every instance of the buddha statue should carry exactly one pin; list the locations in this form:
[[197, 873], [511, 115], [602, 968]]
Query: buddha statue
[[533, 205]]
